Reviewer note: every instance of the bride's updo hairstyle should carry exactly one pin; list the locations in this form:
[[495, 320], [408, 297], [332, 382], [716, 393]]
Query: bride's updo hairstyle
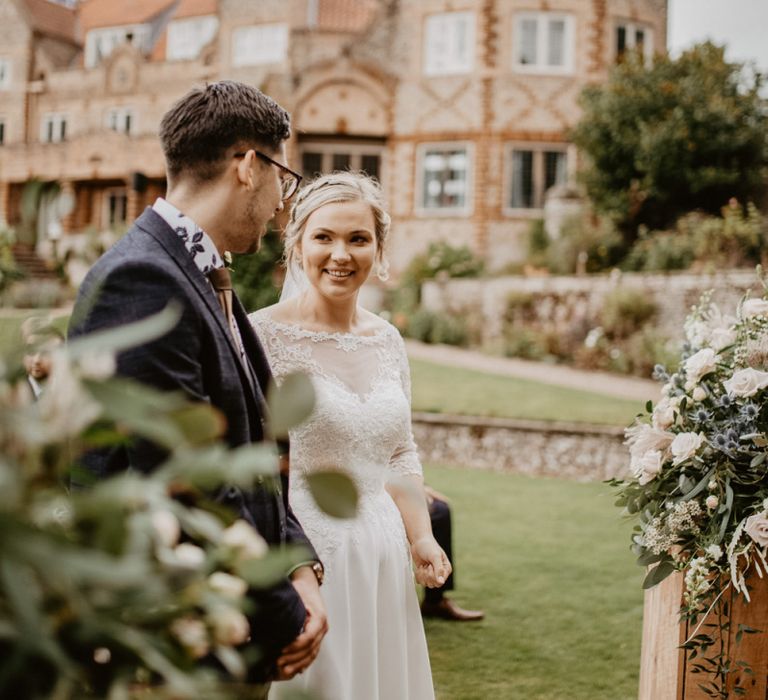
[[341, 186]]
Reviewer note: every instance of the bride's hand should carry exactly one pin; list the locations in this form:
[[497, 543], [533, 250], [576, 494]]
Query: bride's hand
[[430, 562]]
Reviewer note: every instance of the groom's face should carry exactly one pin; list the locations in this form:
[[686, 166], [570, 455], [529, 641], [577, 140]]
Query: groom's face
[[262, 200]]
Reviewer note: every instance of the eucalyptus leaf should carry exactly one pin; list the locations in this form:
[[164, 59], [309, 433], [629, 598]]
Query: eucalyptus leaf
[[696, 490], [334, 492], [266, 571], [200, 423], [290, 404], [658, 573], [126, 336], [649, 558]]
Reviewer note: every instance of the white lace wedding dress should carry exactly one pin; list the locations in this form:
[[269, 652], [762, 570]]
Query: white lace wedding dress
[[375, 648]]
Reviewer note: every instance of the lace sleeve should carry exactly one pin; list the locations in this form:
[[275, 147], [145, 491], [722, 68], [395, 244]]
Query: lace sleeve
[[405, 459]]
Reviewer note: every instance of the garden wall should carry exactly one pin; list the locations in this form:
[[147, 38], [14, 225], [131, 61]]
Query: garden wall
[[564, 450], [573, 304]]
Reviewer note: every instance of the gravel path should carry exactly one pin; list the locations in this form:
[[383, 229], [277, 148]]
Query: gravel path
[[598, 382]]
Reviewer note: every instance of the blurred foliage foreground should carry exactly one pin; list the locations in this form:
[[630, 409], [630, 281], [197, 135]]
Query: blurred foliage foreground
[[138, 585]]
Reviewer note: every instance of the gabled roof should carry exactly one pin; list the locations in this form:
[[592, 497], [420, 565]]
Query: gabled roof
[[345, 15], [114, 13], [53, 19]]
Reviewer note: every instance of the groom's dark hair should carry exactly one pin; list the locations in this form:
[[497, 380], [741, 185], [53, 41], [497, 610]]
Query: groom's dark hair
[[199, 131]]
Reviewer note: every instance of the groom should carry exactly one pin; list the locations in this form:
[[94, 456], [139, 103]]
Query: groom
[[224, 146]]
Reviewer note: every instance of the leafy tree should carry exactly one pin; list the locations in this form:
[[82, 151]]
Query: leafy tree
[[685, 134], [253, 276]]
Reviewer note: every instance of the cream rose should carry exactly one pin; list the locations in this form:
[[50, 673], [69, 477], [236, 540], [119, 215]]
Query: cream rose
[[722, 338], [189, 556], [746, 382], [701, 363], [757, 528], [230, 626], [642, 438], [166, 527], [242, 537], [227, 585], [192, 635], [663, 414], [699, 394], [754, 307], [648, 466], [684, 446]]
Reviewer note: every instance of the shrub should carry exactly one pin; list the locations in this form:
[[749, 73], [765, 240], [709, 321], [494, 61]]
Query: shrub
[[624, 311], [601, 244], [253, 276], [529, 344], [660, 251], [432, 327]]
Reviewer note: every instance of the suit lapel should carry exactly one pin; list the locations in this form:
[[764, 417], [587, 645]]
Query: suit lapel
[[153, 224]]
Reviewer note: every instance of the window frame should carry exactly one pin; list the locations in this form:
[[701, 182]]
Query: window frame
[[120, 113], [543, 18], [327, 149], [421, 151], [59, 120], [427, 64], [6, 76], [539, 148], [631, 27], [107, 193], [139, 34], [242, 63]]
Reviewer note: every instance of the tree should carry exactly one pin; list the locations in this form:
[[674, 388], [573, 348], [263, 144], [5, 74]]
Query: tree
[[685, 134]]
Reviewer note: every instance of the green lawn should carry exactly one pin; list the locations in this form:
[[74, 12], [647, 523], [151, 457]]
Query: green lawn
[[443, 389], [549, 563]]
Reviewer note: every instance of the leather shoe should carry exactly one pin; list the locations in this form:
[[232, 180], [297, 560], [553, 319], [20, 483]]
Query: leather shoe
[[446, 609]]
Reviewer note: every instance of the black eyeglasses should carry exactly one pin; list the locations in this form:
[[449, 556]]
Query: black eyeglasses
[[289, 180]]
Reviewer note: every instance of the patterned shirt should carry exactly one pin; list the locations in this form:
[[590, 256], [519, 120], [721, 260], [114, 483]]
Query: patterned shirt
[[201, 249]]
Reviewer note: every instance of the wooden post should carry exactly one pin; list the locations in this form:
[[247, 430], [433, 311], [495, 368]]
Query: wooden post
[[665, 671]]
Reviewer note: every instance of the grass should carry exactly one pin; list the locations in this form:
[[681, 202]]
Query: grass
[[549, 563], [443, 389]]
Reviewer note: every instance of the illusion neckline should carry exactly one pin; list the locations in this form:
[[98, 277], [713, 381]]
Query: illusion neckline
[[329, 335]]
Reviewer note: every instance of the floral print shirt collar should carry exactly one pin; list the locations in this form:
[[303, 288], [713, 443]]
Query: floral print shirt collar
[[199, 244]]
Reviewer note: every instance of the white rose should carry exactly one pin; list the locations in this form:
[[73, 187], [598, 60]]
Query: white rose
[[242, 537], [754, 307], [684, 446], [648, 466], [166, 527], [663, 414], [192, 635], [189, 556], [746, 382], [722, 338], [230, 626], [228, 585], [700, 364], [699, 394], [642, 438], [757, 528], [712, 502]]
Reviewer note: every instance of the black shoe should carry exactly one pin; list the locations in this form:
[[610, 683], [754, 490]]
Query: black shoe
[[446, 609]]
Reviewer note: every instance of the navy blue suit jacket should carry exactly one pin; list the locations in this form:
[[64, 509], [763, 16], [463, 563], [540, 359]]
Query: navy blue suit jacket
[[146, 269]]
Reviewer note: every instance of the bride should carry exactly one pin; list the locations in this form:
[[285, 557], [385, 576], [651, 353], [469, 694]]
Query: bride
[[375, 648]]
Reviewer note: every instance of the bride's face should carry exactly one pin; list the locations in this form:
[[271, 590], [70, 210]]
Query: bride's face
[[338, 248]]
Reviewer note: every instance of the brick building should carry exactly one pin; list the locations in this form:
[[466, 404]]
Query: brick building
[[460, 107]]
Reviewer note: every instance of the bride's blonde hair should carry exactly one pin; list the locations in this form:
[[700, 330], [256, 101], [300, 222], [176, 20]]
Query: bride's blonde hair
[[342, 186]]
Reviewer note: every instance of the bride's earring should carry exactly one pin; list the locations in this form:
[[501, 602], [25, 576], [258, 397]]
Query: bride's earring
[[382, 270]]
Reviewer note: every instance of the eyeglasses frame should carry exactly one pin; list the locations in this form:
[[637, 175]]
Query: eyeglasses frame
[[284, 168]]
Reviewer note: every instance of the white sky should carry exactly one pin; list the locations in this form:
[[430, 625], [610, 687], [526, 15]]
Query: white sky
[[742, 25]]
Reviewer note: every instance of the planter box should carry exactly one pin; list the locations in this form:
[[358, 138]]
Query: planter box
[[666, 673]]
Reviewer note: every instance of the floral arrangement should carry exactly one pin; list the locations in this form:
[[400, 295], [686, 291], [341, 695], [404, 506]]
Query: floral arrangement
[[138, 585], [699, 464]]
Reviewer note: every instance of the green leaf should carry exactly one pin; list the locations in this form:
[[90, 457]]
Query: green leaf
[[648, 558], [290, 404], [658, 574], [200, 423], [334, 492], [757, 460], [261, 573], [699, 487], [649, 406]]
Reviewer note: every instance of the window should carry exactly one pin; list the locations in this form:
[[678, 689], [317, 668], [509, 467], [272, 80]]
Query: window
[[444, 178], [53, 128], [543, 43], [449, 43], [260, 44], [120, 119], [186, 37], [100, 43], [116, 207], [532, 171], [2, 132], [634, 37], [320, 158], [5, 74]]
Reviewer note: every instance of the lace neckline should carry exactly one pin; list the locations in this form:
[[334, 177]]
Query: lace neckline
[[341, 337]]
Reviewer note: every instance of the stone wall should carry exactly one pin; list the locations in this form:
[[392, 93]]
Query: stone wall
[[573, 451], [572, 303]]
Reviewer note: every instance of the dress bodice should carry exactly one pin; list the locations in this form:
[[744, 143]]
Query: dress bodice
[[361, 424]]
